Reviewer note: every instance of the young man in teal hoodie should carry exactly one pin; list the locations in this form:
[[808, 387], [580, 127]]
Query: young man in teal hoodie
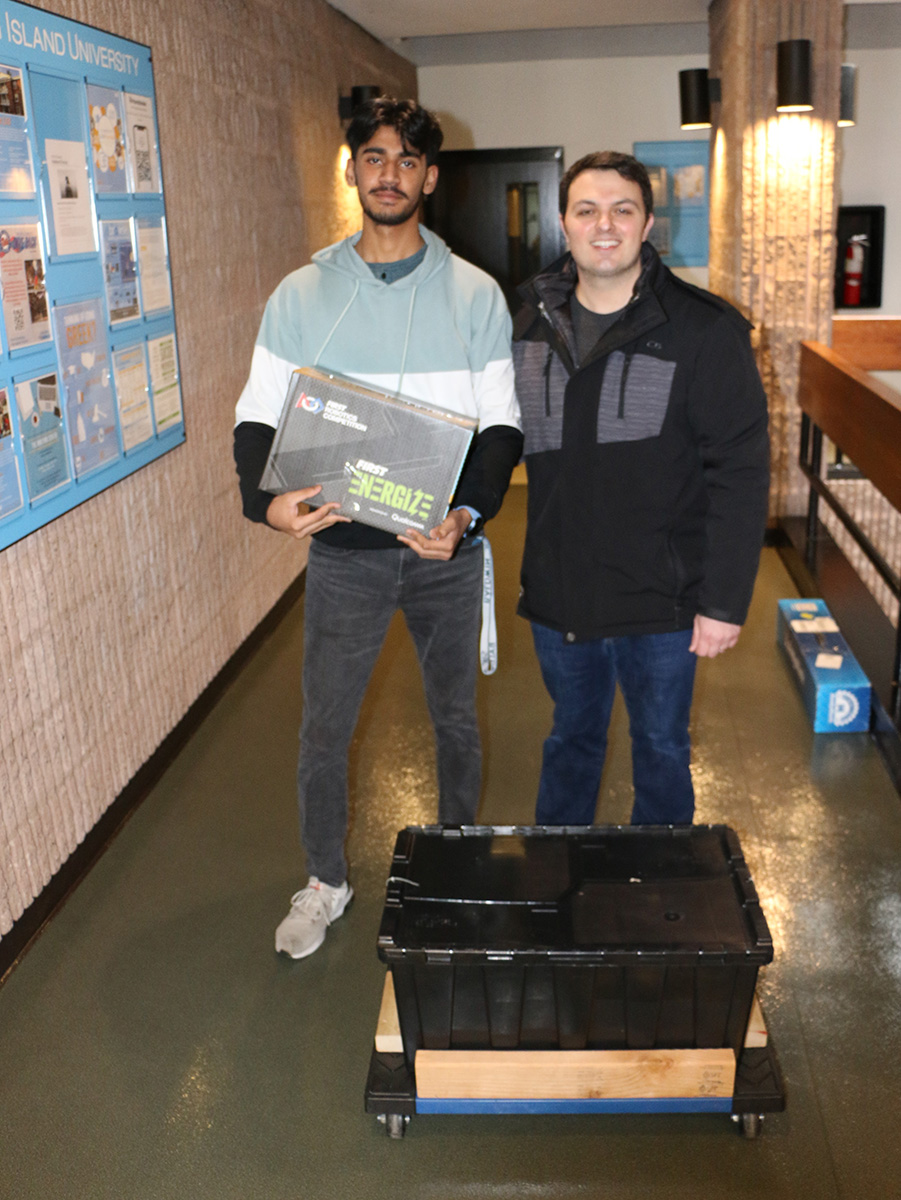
[[392, 308]]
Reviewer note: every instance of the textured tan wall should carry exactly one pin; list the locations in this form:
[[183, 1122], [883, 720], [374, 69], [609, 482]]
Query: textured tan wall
[[115, 617], [773, 201]]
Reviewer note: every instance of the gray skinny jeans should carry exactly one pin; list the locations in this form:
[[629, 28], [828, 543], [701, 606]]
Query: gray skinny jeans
[[351, 596]]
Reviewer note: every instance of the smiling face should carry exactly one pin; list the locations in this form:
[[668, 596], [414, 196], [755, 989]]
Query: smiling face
[[390, 178], [605, 223]]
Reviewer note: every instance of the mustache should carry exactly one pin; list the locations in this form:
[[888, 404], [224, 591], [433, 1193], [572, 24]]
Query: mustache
[[385, 191]]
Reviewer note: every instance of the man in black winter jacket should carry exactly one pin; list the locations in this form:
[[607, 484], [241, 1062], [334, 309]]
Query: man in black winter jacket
[[646, 448]]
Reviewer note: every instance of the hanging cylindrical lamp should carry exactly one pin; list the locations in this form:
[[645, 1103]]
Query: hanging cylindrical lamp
[[794, 89], [847, 109], [694, 98]]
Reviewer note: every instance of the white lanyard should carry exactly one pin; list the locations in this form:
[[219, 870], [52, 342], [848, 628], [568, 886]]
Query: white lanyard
[[488, 643]]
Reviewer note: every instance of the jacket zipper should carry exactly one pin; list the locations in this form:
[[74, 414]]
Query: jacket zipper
[[627, 363], [547, 381], [678, 574], [555, 330]]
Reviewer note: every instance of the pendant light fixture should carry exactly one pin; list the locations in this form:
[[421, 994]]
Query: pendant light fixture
[[794, 89], [697, 91], [847, 107]]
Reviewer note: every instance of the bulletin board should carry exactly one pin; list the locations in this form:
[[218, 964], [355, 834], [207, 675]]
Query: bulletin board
[[679, 173], [90, 389]]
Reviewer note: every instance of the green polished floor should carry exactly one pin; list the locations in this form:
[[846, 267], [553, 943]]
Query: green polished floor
[[154, 1047]]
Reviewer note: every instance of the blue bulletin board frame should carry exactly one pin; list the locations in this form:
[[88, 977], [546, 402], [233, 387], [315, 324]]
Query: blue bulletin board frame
[[84, 269], [680, 178]]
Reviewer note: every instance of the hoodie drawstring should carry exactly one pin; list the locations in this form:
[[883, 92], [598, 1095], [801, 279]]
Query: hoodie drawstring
[[321, 350], [403, 361]]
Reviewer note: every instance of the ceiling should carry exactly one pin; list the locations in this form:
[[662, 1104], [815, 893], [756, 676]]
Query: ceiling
[[390, 19], [394, 19], [455, 31]]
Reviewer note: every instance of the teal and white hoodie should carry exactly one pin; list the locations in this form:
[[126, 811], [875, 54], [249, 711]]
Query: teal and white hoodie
[[440, 334]]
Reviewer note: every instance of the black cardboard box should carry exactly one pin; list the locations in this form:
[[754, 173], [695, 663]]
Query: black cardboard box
[[389, 461], [603, 937]]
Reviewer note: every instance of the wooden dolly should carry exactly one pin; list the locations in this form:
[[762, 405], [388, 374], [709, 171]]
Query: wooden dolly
[[572, 1081]]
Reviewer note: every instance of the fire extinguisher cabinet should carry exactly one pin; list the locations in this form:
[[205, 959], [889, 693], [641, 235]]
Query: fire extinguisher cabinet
[[860, 235]]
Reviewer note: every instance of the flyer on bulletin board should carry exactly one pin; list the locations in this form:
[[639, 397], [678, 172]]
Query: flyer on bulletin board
[[41, 426], [153, 265], [70, 198], [16, 171], [141, 138], [119, 275], [107, 139], [84, 361], [10, 484], [135, 420], [22, 280], [164, 381]]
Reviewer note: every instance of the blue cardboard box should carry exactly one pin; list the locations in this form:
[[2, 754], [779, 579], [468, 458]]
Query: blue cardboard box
[[835, 690]]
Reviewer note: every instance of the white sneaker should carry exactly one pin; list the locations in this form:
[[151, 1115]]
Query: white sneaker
[[313, 909]]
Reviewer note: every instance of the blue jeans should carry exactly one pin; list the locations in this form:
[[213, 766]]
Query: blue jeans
[[351, 596], [656, 674]]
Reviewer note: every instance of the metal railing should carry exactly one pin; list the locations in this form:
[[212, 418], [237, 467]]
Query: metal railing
[[861, 416]]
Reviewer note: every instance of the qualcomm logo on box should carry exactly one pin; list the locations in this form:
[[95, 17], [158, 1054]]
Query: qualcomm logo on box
[[843, 707]]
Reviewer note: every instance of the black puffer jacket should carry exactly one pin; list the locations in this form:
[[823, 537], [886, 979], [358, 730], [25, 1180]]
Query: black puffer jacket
[[648, 464]]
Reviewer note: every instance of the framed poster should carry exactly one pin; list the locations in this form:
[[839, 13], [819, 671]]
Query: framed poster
[[679, 174]]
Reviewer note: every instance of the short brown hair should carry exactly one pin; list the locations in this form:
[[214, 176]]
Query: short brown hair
[[609, 160]]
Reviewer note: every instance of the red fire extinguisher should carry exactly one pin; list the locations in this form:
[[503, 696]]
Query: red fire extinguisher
[[853, 273]]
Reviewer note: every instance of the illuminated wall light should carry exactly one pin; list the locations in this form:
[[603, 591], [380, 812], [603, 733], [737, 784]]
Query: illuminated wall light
[[794, 90], [847, 107], [796, 140], [346, 211]]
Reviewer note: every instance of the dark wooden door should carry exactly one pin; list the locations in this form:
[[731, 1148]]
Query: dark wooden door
[[498, 209]]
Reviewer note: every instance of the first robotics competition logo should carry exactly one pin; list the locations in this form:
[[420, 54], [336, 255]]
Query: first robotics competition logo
[[310, 404], [843, 707]]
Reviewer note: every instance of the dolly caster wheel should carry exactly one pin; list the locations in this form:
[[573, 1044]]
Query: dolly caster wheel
[[749, 1123], [395, 1123]]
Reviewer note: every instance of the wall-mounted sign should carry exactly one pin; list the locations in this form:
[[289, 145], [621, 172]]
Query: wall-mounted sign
[[89, 381], [678, 172]]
